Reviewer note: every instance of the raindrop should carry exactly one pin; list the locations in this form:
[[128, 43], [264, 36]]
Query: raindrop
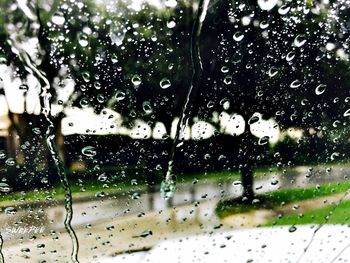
[[10, 210], [267, 4], [86, 76], [224, 69], [299, 41], [263, 140], [292, 229], [89, 151], [58, 19], [264, 24], [238, 36], [23, 87], [5, 188], [295, 84], [290, 56], [114, 58], [210, 104], [3, 59], [347, 113], [2, 154], [284, 9], [102, 177], [136, 80], [147, 108], [165, 83], [120, 95], [253, 119], [10, 162], [145, 233], [171, 24], [228, 80], [135, 196], [320, 89], [36, 130], [335, 155], [83, 40], [272, 71], [84, 102]]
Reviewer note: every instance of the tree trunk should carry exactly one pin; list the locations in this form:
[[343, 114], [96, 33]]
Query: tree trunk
[[246, 171]]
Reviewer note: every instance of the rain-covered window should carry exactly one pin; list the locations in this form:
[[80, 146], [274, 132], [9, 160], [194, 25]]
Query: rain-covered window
[[174, 131]]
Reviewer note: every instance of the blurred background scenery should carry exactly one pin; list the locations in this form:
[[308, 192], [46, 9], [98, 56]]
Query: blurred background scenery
[[127, 123]]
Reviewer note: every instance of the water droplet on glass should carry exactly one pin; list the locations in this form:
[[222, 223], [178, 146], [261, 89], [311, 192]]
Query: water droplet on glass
[[147, 108], [83, 39], [299, 41], [167, 189], [165, 83], [292, 229], [263, 140], [120, 95], [320, 89], [114, 58], [228, 80], [86, 76], [253, 119], [5, 188], [145, 233], [272, 71], [2, 154], [10, 210], [136, 80], [295, 84], [267, 4], [284, 9], [171, 24], [102, 177], [264, 24], [347, 113], [89, 151], [290, 56], [135, 196], [58, 19], [238, 36], [23, 87], [3, 59], [84, 102], [224, 69], [10, 162]]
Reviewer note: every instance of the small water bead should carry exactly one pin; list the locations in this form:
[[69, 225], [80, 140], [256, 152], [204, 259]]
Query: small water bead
[[284, 9], [120, 95], [89, 151], [264, 24], [2, 154], [292, 229], [228, 80], [238, 36], [10, 162], [165, 83], [255, 118], [295, 84], [58, 19], [36, 130], [23, 87], [272, 72], [147, 108], [171, 24], [347, 113], [263, 140], [5, 188], [10, 210], [290, 56], [320, 89], [86, 76], [101, 98], [114, 58], [83, 40], [267, 4], [136, 80], [3, 59], [135, 196], [299, 41], [97, 85], [224, 69], [84, 102]]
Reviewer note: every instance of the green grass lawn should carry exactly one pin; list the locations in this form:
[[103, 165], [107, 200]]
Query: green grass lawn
[[281, 197], [332, 214]]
